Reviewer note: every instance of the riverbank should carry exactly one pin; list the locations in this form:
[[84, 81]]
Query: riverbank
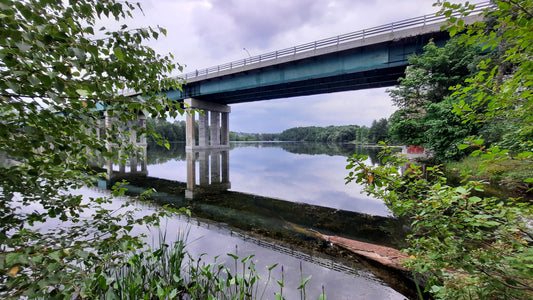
[[505, 178]]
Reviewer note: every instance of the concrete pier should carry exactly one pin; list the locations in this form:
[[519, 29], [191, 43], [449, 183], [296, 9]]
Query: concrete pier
[[214, 172], [213, 125], [136, 161]]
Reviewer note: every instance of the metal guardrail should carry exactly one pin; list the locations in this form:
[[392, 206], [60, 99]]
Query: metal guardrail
[[337, 40]]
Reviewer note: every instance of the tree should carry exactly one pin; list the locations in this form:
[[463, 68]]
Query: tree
[[464, 244], [61, 74], [331, 134], [172, 132], [502, 88], [407, 129], [419, 96], [445, 131], [379, 131]]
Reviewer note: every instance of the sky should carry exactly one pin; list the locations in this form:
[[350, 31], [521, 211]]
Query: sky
[[206, 33]]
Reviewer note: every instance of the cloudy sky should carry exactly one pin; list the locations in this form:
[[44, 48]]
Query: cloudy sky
[[205, 33]]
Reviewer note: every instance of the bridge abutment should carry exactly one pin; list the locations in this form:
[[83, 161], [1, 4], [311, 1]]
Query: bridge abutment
[[213, 125]]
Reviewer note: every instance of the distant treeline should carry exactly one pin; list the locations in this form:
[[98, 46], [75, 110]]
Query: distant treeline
[[331, 134], [175, 131]]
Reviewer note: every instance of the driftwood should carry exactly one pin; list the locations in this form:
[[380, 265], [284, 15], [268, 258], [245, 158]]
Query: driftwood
[[387, 256]]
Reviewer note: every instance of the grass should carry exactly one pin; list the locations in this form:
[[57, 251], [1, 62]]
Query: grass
[[510, 173], [169, 272]]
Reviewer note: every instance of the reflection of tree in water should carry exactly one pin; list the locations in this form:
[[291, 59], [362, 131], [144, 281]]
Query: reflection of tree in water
[[159, 154], [315, 148]]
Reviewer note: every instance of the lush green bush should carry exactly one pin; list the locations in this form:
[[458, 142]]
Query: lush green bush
[[464, 245], [509, 174], [425, 102], [61, 76], [468, 246]]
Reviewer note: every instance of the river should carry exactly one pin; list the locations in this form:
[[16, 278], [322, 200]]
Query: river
[[270, 200]]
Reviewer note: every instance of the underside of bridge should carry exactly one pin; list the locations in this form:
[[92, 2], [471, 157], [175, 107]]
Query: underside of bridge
[[363, 67], [375, 78]]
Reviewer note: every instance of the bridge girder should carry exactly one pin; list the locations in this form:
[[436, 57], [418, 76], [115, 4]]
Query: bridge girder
[[373, 66]]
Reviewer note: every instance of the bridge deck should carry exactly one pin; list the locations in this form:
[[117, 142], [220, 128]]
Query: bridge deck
[[370, 58]]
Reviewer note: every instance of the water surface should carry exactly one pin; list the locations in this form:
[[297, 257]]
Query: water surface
[[311, 173], [271, 200]]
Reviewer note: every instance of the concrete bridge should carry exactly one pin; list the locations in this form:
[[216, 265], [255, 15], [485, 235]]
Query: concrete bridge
[[369, 58]]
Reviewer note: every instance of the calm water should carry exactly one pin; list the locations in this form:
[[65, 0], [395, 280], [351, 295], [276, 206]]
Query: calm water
[[298, 172], [269, 199]]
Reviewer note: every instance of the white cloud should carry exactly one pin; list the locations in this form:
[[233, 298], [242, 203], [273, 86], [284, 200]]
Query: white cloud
[[204, 33]]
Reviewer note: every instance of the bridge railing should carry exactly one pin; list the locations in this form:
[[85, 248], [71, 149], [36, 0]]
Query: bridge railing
[[340, 39]]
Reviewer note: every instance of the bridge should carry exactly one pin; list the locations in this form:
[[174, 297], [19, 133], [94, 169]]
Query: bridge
[[369, 58]]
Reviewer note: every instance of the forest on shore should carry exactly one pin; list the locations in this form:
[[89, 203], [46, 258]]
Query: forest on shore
[[378, 131]]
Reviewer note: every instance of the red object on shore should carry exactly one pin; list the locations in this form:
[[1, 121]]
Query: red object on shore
[[413, 149]]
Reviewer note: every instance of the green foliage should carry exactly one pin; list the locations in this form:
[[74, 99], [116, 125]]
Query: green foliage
[[500, 93], [172, 132], [251, 137], [469, 246], [430, 74], [379, 131], [169, 272], [61, 73], [510, 174], [437, 129], [445, 130], [423, 97], [406, 129], [330, 134], [502, 88]]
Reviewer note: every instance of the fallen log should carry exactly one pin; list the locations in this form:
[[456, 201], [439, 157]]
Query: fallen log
[[384, 255]]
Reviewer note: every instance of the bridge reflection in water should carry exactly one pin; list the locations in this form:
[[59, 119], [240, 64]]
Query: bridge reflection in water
[[276, 224], [207, 195], [213, 167]]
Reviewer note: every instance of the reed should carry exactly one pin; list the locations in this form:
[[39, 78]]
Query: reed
[[168, 271]]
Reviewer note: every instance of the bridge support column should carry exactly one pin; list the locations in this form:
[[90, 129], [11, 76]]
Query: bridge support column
[[224, 129], [213, 125], [215, 128], [190, 139], [135, 160], [213, 173], [203, 129]]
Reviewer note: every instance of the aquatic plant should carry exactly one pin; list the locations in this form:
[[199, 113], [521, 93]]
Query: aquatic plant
[[170, 272]]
